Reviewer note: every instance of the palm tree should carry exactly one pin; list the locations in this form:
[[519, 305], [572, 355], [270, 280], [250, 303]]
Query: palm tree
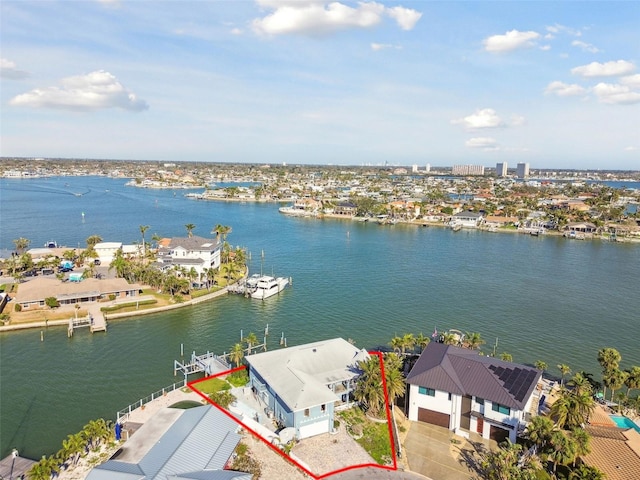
[[449, 338], [190, 227], [156, 239], [473, 340], [396, 344], [582, 440], [143, 228], [408, 342], [564, 370], [540, 365], [539, 432], [119, 264], [21, 244], [633, 379], [585, 472], [369, 387], [92, 241], [614, 379], [222, 230], [250, 340], [506, 357], [580, 384], [237, 354], [564, 449], [422, 341], [609, 359]]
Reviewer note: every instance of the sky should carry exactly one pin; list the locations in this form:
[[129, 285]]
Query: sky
[[555, 84]]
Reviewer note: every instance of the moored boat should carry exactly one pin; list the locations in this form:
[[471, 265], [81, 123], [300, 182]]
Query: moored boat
[[267, 286]]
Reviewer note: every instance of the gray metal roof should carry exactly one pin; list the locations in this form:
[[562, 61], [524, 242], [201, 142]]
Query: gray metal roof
[[464, 372], [212, 475], [300, 374], [193, 440]]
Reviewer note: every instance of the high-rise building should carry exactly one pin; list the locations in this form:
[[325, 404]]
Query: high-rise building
[[428, 168], [467, 170], [522, 170], [501, 169], [414, 169]]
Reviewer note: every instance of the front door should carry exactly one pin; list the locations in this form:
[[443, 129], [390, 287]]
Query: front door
[[465, 414]]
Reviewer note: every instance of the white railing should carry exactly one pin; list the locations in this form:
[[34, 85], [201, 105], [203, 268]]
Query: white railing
[[123, 415]]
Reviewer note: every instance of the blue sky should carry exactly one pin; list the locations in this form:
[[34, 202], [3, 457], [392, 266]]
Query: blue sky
[[555, 84]]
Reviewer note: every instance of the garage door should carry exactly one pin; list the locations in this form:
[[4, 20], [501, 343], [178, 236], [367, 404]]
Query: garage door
[[312, 429], [498, 434], [434, 418]]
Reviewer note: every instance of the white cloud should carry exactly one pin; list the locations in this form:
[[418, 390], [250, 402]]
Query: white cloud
[[315, 18], [9, 70], [512, 40], [587, 47], [557, 28], [608, 69], [484, 118], [319, 17], [616, 94], [94, 91], [484, 143], [517, 120], [405, 17], [545, 48], [632, 81], [382, 46], [562, 89]]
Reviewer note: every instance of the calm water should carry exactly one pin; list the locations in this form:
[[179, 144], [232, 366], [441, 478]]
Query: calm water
[[547, 298]]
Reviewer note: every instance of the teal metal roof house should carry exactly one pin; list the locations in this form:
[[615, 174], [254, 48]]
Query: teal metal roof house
[[175, 444]]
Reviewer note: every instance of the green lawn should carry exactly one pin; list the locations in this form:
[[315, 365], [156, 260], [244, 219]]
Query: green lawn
[[213, 385], [372, 436]]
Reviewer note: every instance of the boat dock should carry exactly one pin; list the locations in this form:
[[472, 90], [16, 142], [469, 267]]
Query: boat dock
[[209, 363], [95, 320]]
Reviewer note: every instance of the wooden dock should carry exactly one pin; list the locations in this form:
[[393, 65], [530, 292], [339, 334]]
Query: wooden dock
[[95, 321], [14, 466]]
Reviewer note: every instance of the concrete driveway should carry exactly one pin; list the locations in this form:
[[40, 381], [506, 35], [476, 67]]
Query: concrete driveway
[[429, 450]]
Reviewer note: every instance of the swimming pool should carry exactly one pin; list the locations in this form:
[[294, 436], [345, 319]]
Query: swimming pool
[[624, 422]]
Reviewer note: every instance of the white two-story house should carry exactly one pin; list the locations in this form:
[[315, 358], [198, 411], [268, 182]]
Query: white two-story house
[[191, 252], [459, 389]]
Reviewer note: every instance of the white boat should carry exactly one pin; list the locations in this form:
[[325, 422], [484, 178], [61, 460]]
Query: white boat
[[298, 212], [269, 286]]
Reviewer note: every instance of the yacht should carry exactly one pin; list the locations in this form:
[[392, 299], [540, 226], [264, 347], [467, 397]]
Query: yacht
[[269, 286]]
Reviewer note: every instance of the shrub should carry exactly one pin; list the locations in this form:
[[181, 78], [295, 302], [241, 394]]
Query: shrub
[[239, 378], [51, 302], [18, 307], [224, 398], [112, 296]]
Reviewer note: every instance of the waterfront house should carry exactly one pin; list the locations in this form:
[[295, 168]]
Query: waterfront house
[[346, 208], [463, 391], [190, 252], [614, 451], [467, 219], [106, 251], [302, 386], [192, 444], [31, 295]]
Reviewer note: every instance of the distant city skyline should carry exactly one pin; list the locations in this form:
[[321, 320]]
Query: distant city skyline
[[552, 84]]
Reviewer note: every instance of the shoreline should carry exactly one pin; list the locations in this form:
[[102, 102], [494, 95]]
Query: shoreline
[[118, 316]]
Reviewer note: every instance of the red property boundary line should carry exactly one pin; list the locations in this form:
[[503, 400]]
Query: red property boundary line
[[192, 386]]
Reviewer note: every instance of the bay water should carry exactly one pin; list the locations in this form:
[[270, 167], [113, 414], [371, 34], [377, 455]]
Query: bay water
[[541, 298]]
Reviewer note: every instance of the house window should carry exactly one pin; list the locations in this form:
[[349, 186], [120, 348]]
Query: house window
[[323, 408], [449, 396], [306, 412], [496, 407], [480, 401], [427, 391]]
